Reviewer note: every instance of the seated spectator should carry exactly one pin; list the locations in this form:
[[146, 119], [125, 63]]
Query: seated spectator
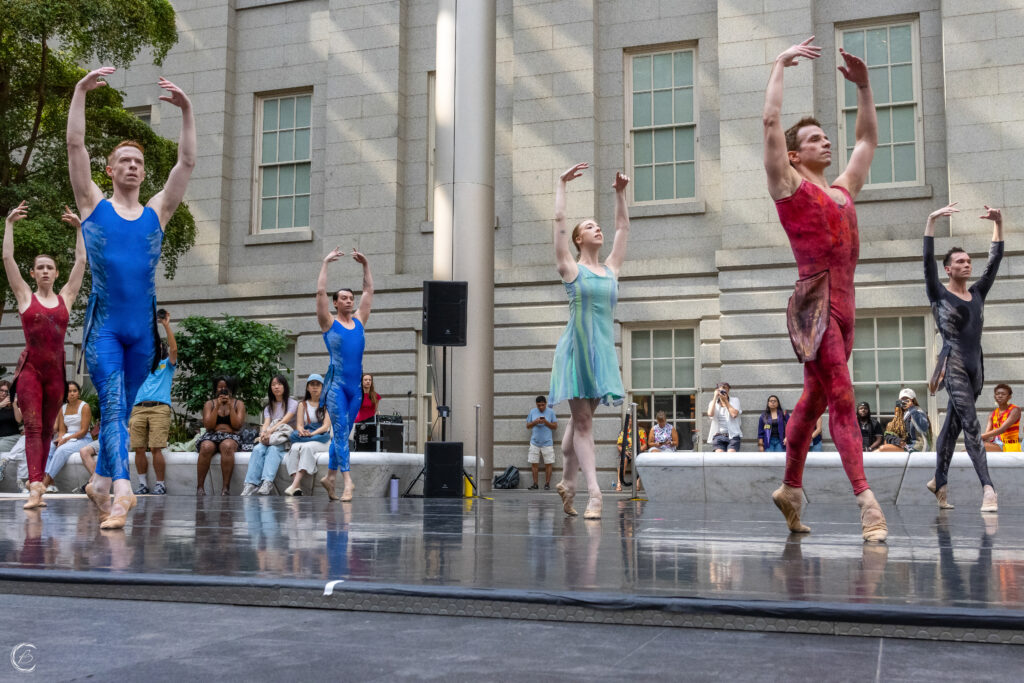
[[223, 418], [10, 420], [371, 399], [724, 410], [311, 438], [88, 453], [771, 427], [73, 423], [1003, 431], [663, 437], [816, 435], [871, 432], [894, 437], [915, 422], [626, 451], [273, 440], [150, 421]]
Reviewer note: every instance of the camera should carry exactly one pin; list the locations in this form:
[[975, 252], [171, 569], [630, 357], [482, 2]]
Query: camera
[[224, 392], [161, 314]]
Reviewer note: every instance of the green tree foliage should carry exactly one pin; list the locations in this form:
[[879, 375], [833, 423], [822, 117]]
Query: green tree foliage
[[247, 350], [41, 44]]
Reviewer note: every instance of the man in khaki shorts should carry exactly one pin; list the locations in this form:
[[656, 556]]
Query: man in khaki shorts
[[542, 423], [151, 417]]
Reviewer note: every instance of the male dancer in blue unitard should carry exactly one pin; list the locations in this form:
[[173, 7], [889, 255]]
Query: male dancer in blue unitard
[[123, 240], [343, 392]]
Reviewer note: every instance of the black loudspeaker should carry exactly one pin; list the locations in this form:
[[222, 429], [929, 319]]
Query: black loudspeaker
[[443, 460], [391, 436], [444, 312]]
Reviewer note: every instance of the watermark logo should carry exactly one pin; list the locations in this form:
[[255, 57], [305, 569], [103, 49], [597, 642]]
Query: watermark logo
[[23, 657]]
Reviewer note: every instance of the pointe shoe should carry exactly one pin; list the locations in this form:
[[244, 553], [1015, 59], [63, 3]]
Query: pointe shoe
[[789, 500], [99, 501], [940, 495], [346, 494], [989, 502], [35, 496], [326, 483], [593, 510], [876, 531], [567, 497], [118, 521]]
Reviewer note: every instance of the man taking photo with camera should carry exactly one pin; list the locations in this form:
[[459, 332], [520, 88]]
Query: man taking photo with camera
[[724, 411]]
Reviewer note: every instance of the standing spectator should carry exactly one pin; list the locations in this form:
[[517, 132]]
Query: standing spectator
[[150, 422], [626, 450], [663, 438], [371, 399], [1004, 422], [724, 411], [267, 454], [870, 429], [223, 418], [542, 423], [312, 435], [771, 427], [73, 422], [10, 421], [816, 435]]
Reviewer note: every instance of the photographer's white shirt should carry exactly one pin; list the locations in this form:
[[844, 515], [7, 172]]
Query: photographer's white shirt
[[723, 421]]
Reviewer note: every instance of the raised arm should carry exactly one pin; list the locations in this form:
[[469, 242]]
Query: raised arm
[[565, 262], [210, 415], [932, 287], [323, 307], [172, 343], [366, 297], [87, 193], [783, 180], [166, 202], [22, 292], [995, 252], [69, 292], [618, 255], [866, 128]]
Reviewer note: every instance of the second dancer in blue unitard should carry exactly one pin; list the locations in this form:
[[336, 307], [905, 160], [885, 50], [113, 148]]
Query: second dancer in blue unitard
[[343, 335]]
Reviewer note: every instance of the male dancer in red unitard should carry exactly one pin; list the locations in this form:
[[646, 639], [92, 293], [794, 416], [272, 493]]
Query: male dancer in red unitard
[[821, 224]]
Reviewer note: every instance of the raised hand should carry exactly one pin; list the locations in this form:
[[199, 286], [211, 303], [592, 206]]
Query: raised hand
[[945, 211], [574, 172], [335, 254], [91, 80], [992, 214], [358, 256], [855, 70], [804, 49], [17, 213], [621, 180], [175, 96], [71, 218]]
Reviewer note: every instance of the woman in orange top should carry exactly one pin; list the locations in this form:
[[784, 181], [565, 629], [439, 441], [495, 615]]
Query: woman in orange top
[[1004, 422]]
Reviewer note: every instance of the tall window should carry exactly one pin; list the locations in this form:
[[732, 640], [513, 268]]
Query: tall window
[[663, 377], [889, 354], [661, 115], [283, 151], [891, 54]]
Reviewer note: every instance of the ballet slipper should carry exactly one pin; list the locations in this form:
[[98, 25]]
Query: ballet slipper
[[989, 501], [940, 495], [99, 501], [118, 521], [35, 496], [329, 486], [593, 510], [872, 520], [789, 501], [346, 494], [567, 497]]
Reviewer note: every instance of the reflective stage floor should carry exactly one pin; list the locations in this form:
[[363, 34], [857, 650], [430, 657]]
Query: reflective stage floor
[[952, 575]]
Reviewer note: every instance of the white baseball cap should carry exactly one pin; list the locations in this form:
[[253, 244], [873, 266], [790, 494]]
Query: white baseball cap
[[908, 393]]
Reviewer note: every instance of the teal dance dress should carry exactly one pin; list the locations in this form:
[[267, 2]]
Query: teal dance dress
[[585, 365]]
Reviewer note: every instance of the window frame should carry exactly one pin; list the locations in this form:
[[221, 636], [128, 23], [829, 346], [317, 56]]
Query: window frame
[[259, 98], [627, 374], [649, 51], [915, 55], [927, 402]]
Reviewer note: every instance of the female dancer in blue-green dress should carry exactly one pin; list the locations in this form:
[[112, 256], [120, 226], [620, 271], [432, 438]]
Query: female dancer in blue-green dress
[[585, 369]]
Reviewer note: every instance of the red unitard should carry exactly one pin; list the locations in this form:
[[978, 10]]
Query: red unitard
[[823, 235], [39, 379]]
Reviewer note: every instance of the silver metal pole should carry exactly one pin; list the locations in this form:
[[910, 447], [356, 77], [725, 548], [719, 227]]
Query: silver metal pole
[[636, 440], [476, 452]]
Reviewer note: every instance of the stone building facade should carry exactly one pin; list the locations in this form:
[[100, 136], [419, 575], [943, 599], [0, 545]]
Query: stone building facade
[[315, 130]]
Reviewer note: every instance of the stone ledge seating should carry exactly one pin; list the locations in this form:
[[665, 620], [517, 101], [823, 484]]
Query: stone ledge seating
[[371, 471], [896, 478]]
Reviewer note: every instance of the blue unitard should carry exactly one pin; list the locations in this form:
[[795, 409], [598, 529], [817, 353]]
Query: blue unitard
[[343, 391], [120, 321]]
